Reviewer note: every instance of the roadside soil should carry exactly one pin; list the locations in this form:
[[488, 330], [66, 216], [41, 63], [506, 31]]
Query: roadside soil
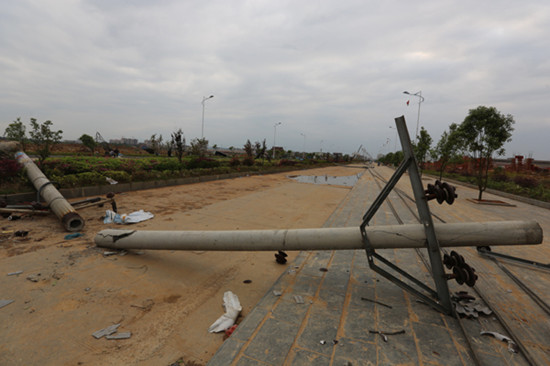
[[167, 299]]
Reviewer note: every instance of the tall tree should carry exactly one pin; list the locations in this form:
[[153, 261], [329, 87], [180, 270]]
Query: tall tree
[[178, 142], [199, 147], [249, 149], [448, 148], [44, 138], [422, 147], [17, 131], [260, 149], [156, 143], [483, 133], [89, 142]]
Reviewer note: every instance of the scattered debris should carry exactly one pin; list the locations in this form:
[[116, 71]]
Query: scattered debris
[[280, 257], [16, 273], [512, 346], [5, 302], [299, 299], [230, 331], [385, 334], [108, 253], [247, 281], [111, 180], [376, 302], [123, 335], [334, 341], [232, 309], [21, 233], [277, 293], [131, 218], [146, 305], [323, 342], [14, 217], [87, 289], [33, 278], [323, 269], [106, 331], [465, 305], [73, 236]]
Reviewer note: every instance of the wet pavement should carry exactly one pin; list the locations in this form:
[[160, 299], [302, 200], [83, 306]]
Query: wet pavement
[[346, 305]]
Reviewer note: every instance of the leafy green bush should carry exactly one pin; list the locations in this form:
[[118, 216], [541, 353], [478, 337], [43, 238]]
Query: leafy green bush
[[248, 161], [286, 162], [9, 170], [118, 175], [525, 181], [202, 163]]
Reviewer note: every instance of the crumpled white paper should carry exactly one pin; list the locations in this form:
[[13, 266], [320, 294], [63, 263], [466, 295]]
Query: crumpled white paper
[[232, 309], [131, 218]]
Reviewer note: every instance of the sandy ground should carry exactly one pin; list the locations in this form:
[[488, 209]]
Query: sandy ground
[[167, 300]]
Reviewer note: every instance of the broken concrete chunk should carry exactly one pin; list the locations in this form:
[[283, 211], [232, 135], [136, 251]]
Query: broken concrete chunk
[[106, 331], [5, 302], [123, 335], [277, 293]]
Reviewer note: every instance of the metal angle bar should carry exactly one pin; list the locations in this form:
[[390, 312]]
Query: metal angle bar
[[409, 163], [434, 252], [403, 273], [489, 253], [385, 191], [407, 287]]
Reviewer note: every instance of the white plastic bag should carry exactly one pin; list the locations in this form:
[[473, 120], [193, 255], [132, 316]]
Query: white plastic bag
[[232, 309]]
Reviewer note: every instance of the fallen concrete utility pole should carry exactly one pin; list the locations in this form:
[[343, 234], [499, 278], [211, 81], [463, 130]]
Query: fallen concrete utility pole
[[381, 237], [70, 219]]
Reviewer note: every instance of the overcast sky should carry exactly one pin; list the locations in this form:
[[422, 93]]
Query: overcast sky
[[332, 71]]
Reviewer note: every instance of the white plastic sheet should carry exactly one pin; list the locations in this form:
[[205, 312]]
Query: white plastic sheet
[[131, 218]]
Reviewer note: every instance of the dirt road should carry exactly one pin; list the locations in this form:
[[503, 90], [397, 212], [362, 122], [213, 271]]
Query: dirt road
[[68, 289]]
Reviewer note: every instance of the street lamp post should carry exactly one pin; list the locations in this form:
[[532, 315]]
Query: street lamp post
[[275, 136], [204, 99], [304, 151], [420, 100]]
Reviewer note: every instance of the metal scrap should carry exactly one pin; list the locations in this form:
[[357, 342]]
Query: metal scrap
[[512, 346], [5, 302], [385, 334], [106, 331], [15, 273], [123, 335], [376, 302]]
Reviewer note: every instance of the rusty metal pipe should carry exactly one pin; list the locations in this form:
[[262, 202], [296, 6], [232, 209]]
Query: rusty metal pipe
[[70, 219], [381, 237]]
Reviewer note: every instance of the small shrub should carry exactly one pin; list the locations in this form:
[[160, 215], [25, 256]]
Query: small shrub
[[91, 179], [500, 177], [202, 163], [526, 182], [118, 175], [286, 162], [248, 161], [9, 170], [235, 161]]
